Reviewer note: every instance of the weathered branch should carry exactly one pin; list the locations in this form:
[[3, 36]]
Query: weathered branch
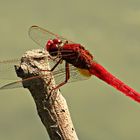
[[52, 111]]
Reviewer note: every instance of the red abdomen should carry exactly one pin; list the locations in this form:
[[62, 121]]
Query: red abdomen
[[99, 71]]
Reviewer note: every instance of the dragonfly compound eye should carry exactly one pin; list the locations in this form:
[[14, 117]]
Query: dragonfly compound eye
[[52, 46], [49, 44], [57, 41]]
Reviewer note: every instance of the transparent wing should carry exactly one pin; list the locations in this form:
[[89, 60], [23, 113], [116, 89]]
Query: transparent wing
[[75, 75], [59, 75], [41, 36], [7, 69]]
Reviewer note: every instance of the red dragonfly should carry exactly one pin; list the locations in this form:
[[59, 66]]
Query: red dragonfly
[[75, 56]]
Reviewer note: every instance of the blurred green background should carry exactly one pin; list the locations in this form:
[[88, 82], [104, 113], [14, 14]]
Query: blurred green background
[[111, 31]]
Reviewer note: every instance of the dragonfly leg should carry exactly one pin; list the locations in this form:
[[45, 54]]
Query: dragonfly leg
[[58, 62], [52, 69], [67, 76]]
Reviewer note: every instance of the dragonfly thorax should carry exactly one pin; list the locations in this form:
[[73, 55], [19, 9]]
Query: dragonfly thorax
[[77, 55]]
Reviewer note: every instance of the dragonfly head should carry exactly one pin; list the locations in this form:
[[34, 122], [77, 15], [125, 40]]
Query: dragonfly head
[[53, 46]]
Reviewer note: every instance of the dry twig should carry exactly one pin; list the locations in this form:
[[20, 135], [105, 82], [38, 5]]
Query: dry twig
[[53, 112]]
